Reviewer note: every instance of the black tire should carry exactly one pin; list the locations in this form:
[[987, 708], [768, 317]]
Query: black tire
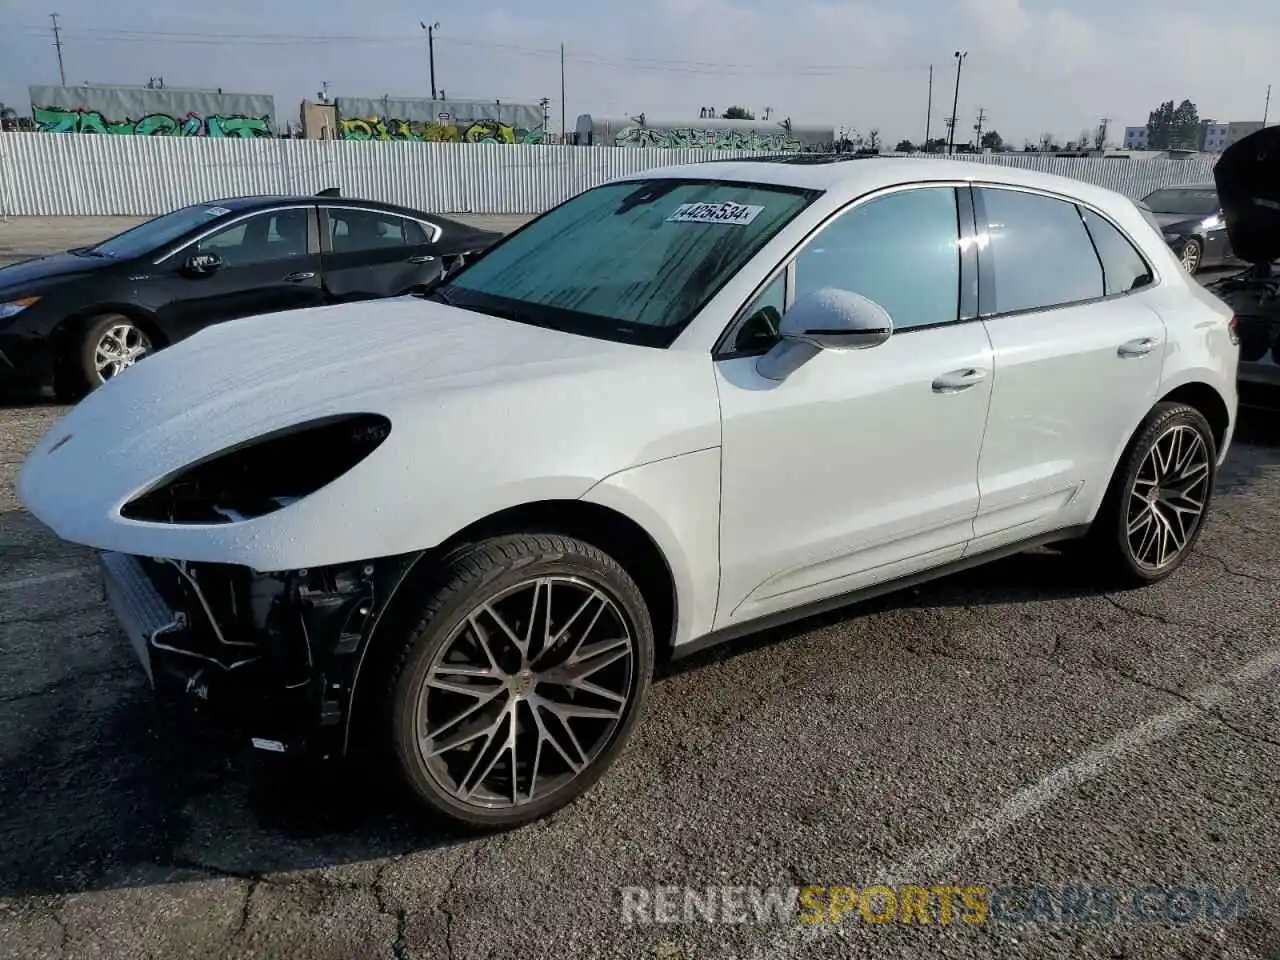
[[83, 374], [485, 572], [1192, 256], [1108, 546]]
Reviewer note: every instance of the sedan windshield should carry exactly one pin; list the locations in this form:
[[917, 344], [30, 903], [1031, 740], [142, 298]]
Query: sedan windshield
[[1192, 202], [630, 261], [148, 236]]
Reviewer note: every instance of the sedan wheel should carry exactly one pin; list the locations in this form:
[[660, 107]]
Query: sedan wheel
[[120, 347], [1190, 256], [522, 681]]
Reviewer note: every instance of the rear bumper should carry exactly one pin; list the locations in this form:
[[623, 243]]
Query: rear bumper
[[273, 657]]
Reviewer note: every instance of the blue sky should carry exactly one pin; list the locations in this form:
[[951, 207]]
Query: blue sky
[[1034, 66]]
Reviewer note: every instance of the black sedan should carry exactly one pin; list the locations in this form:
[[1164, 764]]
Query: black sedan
[[74, 319], [1191, 220]]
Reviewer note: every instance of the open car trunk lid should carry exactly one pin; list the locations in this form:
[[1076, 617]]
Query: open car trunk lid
[[1248, 180]]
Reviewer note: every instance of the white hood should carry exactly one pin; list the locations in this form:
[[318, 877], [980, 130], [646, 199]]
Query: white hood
[[486, 413]]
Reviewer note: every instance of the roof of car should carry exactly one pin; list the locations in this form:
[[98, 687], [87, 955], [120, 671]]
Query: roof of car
[[266, 200], [859, 174]]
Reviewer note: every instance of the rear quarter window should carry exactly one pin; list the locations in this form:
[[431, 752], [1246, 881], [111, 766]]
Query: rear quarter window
[[1123, 267]]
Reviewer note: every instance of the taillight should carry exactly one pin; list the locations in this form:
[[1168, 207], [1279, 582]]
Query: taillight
[[1233, 330]]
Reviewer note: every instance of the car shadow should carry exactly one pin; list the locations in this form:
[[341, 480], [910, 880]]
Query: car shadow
[[103, 788]]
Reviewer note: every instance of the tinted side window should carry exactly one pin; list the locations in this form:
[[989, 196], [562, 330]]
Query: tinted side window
[[357, 230], [1040, 253], [263, 238], [901, 250], [1123, 268]]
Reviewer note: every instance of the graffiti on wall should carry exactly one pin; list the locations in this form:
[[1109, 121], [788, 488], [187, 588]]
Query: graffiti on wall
[[435, 131], [66, 120], [707, 139]]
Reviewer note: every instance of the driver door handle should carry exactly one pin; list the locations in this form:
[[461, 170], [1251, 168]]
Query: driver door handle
[[1137, 348], [421, 258], [958, 380], [299, 277]]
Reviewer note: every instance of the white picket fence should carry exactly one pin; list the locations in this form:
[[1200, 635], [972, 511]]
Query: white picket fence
[[44, 174]]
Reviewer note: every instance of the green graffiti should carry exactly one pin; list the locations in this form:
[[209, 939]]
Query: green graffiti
[[64, 120], [707, 139]]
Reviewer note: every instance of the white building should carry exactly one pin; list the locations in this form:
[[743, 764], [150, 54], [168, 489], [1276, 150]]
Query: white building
[[1214, 136]]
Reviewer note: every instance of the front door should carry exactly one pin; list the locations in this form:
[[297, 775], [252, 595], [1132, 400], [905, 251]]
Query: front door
[[266, 263], [1078, 355], [861, 466], [369, 254]]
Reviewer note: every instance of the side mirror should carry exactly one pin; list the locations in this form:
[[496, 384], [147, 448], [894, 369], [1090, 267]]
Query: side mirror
[[202, 263], [827, 319]]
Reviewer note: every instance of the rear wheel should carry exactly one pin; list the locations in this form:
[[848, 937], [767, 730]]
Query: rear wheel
[[521, 680], [1158, 499]]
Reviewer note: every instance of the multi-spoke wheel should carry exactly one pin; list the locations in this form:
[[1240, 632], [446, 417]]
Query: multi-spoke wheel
[[522, 680], [1159, 496], [108, 346]]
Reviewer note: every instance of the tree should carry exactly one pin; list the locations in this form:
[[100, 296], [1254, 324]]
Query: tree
[[1046, 142], [936, 145], [991, 140], [1170, 127], [905, 146], [873, 139], [738, 113]]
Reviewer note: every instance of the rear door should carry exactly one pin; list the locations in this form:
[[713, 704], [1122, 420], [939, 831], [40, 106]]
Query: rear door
[[265, 263], [1078, 357], [368, 254]]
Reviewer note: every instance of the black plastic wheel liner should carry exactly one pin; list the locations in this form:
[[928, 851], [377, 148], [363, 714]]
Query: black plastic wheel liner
[[1248, 180]]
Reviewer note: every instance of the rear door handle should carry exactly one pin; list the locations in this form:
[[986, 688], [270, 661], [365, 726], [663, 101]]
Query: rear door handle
[[299, 277], [422, 258], [958, 380], [1137, 348]]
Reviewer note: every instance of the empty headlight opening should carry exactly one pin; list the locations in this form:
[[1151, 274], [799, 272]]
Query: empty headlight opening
[[264, 474]]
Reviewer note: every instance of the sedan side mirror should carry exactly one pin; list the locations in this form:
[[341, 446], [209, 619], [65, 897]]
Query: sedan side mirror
[[827, 319], [202, 263]]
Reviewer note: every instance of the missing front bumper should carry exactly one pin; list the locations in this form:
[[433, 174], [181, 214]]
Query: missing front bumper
[[275, 656]]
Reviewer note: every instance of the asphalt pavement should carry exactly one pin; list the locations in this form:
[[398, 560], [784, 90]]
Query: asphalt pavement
[[1008, 726]]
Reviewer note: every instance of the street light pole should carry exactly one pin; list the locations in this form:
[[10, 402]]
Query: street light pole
[[955, 103], [431, 52]]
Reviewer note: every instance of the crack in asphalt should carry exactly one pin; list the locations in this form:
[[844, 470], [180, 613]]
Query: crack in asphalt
[[386, 908], [1231, 571]]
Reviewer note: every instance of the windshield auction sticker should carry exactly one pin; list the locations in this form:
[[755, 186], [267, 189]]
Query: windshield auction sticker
[[726, 212], [216, 211]]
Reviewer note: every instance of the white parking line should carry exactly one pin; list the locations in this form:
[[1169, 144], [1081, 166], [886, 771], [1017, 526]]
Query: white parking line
[[926, 864], [7, 585]]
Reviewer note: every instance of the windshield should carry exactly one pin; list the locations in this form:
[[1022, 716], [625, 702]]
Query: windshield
[[1192, 202], [628, 261], [155, 233]]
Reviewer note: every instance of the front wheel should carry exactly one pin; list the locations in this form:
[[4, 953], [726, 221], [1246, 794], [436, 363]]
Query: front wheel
[[1158, 499], [108, 346], [522, 679], [1190, 256]]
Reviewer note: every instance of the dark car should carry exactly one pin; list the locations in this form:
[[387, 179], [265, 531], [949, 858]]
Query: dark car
[[1191, 220], [77, 318], [1248, 181]]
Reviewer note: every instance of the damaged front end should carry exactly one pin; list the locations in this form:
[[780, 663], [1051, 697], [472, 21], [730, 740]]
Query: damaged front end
[[1248, 180], [275, 654]]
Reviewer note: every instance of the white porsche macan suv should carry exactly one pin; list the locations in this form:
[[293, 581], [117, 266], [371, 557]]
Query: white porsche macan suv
[[462, 527]]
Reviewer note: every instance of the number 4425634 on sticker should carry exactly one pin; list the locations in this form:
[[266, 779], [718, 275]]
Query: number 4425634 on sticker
[[725, 212]]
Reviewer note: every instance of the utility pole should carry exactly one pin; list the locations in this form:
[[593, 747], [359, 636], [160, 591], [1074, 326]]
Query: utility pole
[[928, 113], [977, 129], [57, 44], [431, 52], [955, 103], [562, 106], [1267, 109]]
